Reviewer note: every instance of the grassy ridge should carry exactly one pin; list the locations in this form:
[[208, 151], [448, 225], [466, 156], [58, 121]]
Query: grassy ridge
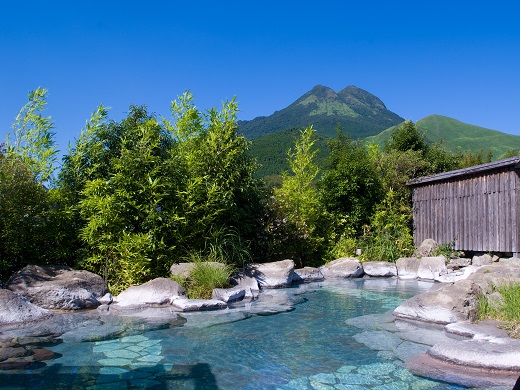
[[459, 136]]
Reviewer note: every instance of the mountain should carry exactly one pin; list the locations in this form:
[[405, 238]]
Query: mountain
[[360, 113], [459, 136]]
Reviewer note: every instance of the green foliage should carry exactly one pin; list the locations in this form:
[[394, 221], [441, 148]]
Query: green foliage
[[350, 187], [469, 159], [271, 152], [507, 309], [141, 193], [389, 237], [33, 137], [209, 272], [294, 208], [345, 246], [447, 250], [24, 216], [406, 137]]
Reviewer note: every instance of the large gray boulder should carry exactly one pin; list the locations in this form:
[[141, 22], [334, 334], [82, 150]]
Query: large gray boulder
[[158, 291], [457, 301], [272, 275], [482, 260], [431, 267], [344, 267], [232, 294], [426, 249], [16, 309], [379, 268], [307, 274], [407, 267], [58, 287], [444, 305]]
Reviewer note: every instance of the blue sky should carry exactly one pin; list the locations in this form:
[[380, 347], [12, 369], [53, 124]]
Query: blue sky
[[460, 59]]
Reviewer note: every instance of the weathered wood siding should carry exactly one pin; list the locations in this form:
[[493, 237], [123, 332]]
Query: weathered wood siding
[[479, 211]]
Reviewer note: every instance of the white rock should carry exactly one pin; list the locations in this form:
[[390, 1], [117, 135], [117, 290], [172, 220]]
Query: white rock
[[228, 294], [431, 267], [344, 267], [185, 304], [482, 260], [155, 292], [407, 267], [17, 309], [379, 268]]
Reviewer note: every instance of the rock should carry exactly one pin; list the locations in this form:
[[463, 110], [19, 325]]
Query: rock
[[58, 287], [228, 294], [457, 301], [155, 292], [379, 268], [183, 270], [344, 267], [272, 275], [248, 283], [459, 262], [426, 249], [16, 309], [185, 304], [407, 267], [307, 274], [427, 366], [482, 260], [106, 299], [40, 354], [447, 304], [431, 267], [451, 277], [482, 330], [511, 261], [503, 354]]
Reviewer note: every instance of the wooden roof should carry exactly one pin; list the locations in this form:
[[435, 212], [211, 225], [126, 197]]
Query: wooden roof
[[513, 161]]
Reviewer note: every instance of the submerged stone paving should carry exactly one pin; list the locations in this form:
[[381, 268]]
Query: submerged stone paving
[[379, 376], [129, 359]]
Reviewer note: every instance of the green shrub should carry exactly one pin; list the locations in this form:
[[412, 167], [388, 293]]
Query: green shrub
[[209, 272], [388, 237], [507, 310], [344, 247]]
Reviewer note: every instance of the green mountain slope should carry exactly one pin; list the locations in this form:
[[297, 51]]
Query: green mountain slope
[[360, 114], [459, 136]]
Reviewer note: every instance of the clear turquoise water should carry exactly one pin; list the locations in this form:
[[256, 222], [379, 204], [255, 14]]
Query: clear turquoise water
[[301, 341]]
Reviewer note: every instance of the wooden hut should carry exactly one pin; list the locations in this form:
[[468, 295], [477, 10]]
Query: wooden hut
[[476, 208]]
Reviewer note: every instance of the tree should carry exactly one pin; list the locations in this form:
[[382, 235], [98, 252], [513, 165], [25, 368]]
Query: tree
[[295, 207], [33, 137], [24, 212], [350, 187], [221, 199]]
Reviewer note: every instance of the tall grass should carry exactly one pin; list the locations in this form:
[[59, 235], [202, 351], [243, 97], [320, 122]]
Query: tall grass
[[506, 309], [209, 272]]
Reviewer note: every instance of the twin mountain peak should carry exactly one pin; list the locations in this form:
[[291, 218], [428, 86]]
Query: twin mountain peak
[[359, 113]]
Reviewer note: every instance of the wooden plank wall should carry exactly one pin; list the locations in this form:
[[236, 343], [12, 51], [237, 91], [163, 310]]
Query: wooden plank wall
[[479, 212]]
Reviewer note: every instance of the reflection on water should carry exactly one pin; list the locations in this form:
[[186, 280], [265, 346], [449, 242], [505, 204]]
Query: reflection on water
[[332, 334]]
